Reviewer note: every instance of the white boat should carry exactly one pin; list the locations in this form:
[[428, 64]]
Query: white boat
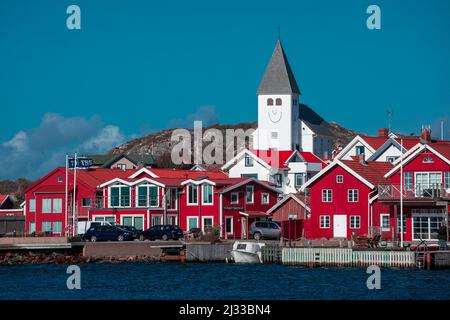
[[247, 252]]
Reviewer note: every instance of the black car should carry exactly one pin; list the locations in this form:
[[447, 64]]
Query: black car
[[164, 232], [131, 229], [106, 232]]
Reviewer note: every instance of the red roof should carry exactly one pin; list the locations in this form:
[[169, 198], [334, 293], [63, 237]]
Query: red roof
[[274, 158], [98, 176], [408, 143], [443, 148], [188, 174], [375, 142], [371, 171], [51, 189]]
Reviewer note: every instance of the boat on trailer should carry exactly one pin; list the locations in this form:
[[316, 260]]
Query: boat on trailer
[[247, 252]]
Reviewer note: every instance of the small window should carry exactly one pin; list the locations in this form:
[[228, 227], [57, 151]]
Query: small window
[[32, 205], [325, 222], [234, 198], [327, 195], [248, 161], [355, 222], [447, 180], [360, 150], [60, 179], [122, 166], [339, 179], [384, 222], [278, 179], [86, 202], [270, 102], [299, 179], [428, 159], [249, 194], [192, 194], [274, 134], [278, 102], [265, 198], [391, 159], [353, 195]]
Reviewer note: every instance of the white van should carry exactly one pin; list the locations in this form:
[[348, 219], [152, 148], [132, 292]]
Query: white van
[[84, 226]]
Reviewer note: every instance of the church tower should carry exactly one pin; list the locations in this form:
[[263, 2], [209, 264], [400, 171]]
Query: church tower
[[278, 105]]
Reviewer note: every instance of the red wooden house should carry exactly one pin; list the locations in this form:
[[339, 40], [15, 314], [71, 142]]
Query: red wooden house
[[146, 197], [343, 199]]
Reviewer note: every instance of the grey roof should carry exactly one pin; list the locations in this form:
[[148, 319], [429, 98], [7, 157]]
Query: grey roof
[[314, 121], [106, 160], [278, 78]]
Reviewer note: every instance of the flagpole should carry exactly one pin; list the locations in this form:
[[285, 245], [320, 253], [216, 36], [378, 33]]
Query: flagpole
[[67, 191], [74, 194], [401, 194]]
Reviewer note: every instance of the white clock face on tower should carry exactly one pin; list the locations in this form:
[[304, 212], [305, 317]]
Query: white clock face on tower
[[275, 113]]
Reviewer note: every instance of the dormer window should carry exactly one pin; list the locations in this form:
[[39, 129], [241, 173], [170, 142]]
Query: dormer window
[[428, 159], [248, 161], [270, 102], [278, 102], [360, 150]]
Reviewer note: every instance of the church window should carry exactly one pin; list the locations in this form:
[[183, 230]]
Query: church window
[[278, 102], [270, 102]]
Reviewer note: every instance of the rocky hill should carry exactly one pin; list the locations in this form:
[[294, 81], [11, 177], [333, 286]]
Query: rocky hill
[[159, 143]]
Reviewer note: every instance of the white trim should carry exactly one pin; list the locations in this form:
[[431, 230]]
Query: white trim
[[262, 198], [407, 153], [351, 144], [285, 198], [120, 195], [115, 180], [212, 195], [232, 224], [381, 221], [197, 182], [350, 222], [247, 180], [187, 221], [143, 170], [353, 195], [326, 198], [147, 200], [240, 155], [131, 183], [329, 167], [158, 215], [173, 215], [203, 221], [371, 200], [187, 195], [243, 213], [133, 215], [231, 196], [329, 221], [253, 194], [409, 157]]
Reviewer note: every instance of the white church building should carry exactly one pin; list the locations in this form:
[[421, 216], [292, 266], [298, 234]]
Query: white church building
[[290, 139]]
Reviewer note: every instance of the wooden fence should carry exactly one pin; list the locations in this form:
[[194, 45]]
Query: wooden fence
[[347, 257]]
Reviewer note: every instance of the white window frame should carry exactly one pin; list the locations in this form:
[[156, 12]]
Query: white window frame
[[262, 198], [32, 208], [103, 216], [161, 216], [60, 208], [253, 194], [187, 222], [133, 216], [53, 223], [353, 220], [170, 215], [381, 221], [353, 195], [248, 161], [188, 187], [203, 222], [237, 198], [203, 194], [231, 223], [303, 178], [326, 219], [328, 195], [420, 213], [147, 200], [82, 200], [49, 201], [341, 178], [120, 186]]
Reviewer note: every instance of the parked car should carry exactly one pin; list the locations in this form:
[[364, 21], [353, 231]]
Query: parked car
[[164, 232], [83, 226], [107, 232], [131, 229], [265, 230]]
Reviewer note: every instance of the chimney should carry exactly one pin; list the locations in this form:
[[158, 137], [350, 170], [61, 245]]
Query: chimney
[[116, 150], [425, 135], [383, 132]]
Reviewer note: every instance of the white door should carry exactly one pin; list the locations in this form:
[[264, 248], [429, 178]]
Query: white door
[[340, 226]]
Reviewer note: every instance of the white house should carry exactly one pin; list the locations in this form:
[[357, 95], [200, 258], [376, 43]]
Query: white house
[[288, 170]]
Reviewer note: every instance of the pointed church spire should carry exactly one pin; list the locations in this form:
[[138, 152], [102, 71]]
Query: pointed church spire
[[278, 78]]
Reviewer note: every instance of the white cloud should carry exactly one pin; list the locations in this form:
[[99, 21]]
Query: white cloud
[[32, 152]]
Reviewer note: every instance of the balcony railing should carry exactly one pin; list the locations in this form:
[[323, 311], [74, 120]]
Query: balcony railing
[[131, 202], [415, 192]]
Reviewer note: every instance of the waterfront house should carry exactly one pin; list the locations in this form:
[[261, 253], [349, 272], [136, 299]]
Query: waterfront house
[[147, 197]]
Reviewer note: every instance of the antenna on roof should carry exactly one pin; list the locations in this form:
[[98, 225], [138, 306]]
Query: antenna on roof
[[442, 129], [389, 115]]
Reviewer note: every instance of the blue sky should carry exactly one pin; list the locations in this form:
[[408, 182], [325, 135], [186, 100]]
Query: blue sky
[[139, 66]]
